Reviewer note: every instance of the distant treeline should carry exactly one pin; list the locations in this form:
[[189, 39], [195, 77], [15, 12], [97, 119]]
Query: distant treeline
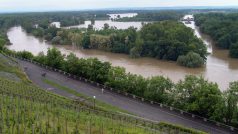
[[222, 27], [155, 16], [66, 18]]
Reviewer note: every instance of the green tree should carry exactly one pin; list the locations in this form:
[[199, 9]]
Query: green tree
[[92, 21], [71, 64], [56, 40], [96, 70], [54, 58], [90, 27], [86, 41], [117, 78], [231, 105], [224, 41], [106, 26], [197, 95], [135, 52], [234, 50], [158, 89], [41, 58]]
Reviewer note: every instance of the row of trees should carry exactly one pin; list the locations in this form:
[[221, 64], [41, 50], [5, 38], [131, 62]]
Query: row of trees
[[193, 94], [222, 27]]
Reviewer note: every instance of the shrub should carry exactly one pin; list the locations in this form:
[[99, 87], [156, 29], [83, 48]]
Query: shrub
[[41, 58], [190, 60], [2, 43], [56, 40], [25, 54]]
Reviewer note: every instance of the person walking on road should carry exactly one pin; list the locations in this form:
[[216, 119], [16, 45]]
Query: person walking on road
[[102, 90]]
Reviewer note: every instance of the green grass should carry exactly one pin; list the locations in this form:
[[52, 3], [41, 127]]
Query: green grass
[[99, 104], [18, 115], [50, 112], [9, 65]]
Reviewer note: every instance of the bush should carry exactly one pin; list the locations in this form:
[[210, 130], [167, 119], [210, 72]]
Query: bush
[[2, 43], [41, 58], [56, 40], [190, 60], [25, 54]]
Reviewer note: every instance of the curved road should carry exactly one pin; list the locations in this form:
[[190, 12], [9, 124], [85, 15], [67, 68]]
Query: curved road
[[139, 108]]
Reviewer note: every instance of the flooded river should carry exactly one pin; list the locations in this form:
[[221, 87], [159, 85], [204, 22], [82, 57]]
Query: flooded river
[[219, 68], [99, 24]]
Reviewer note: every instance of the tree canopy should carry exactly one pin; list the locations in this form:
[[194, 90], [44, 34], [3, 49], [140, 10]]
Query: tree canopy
[[222, 27]]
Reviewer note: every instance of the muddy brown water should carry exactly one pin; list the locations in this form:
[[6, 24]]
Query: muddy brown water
[[219, 68]]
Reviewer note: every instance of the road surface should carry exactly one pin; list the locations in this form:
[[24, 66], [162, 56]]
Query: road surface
[[133, 106]]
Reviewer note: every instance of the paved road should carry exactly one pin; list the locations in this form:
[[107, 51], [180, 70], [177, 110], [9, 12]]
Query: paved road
[[141, 109]]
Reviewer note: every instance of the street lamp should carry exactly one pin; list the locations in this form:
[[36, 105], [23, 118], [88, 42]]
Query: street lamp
[[94, 98]]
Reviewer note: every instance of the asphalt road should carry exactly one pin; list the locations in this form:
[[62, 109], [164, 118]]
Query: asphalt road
[[136, 107]]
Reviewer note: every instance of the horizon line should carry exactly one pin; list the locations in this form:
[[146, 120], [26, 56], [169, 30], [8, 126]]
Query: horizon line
[[124, 8]]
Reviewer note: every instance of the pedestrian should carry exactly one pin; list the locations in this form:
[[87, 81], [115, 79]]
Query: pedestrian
[[102, 90], [43, 75]]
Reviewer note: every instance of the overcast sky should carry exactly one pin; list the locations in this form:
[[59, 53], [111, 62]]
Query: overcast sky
[[49, 5]]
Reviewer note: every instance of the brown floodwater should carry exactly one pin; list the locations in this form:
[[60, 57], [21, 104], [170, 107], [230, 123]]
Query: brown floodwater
[[219, 68]]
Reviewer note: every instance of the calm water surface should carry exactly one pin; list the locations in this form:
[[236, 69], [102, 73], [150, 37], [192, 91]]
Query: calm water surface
[[219, 68]]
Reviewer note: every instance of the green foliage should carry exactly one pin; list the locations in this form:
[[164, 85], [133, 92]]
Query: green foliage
[[117, 78], [9, 65], [2, 43], [169, 40], [222, 27], [100, 42], [198, 95], [231, 101], [234, 50], [72, 64], [25, 54], [106, 26], [135, 52], [56, 40], [180, 128], [191, 60], [54, 58], [86, 41], [158, 89], [41, 58]]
